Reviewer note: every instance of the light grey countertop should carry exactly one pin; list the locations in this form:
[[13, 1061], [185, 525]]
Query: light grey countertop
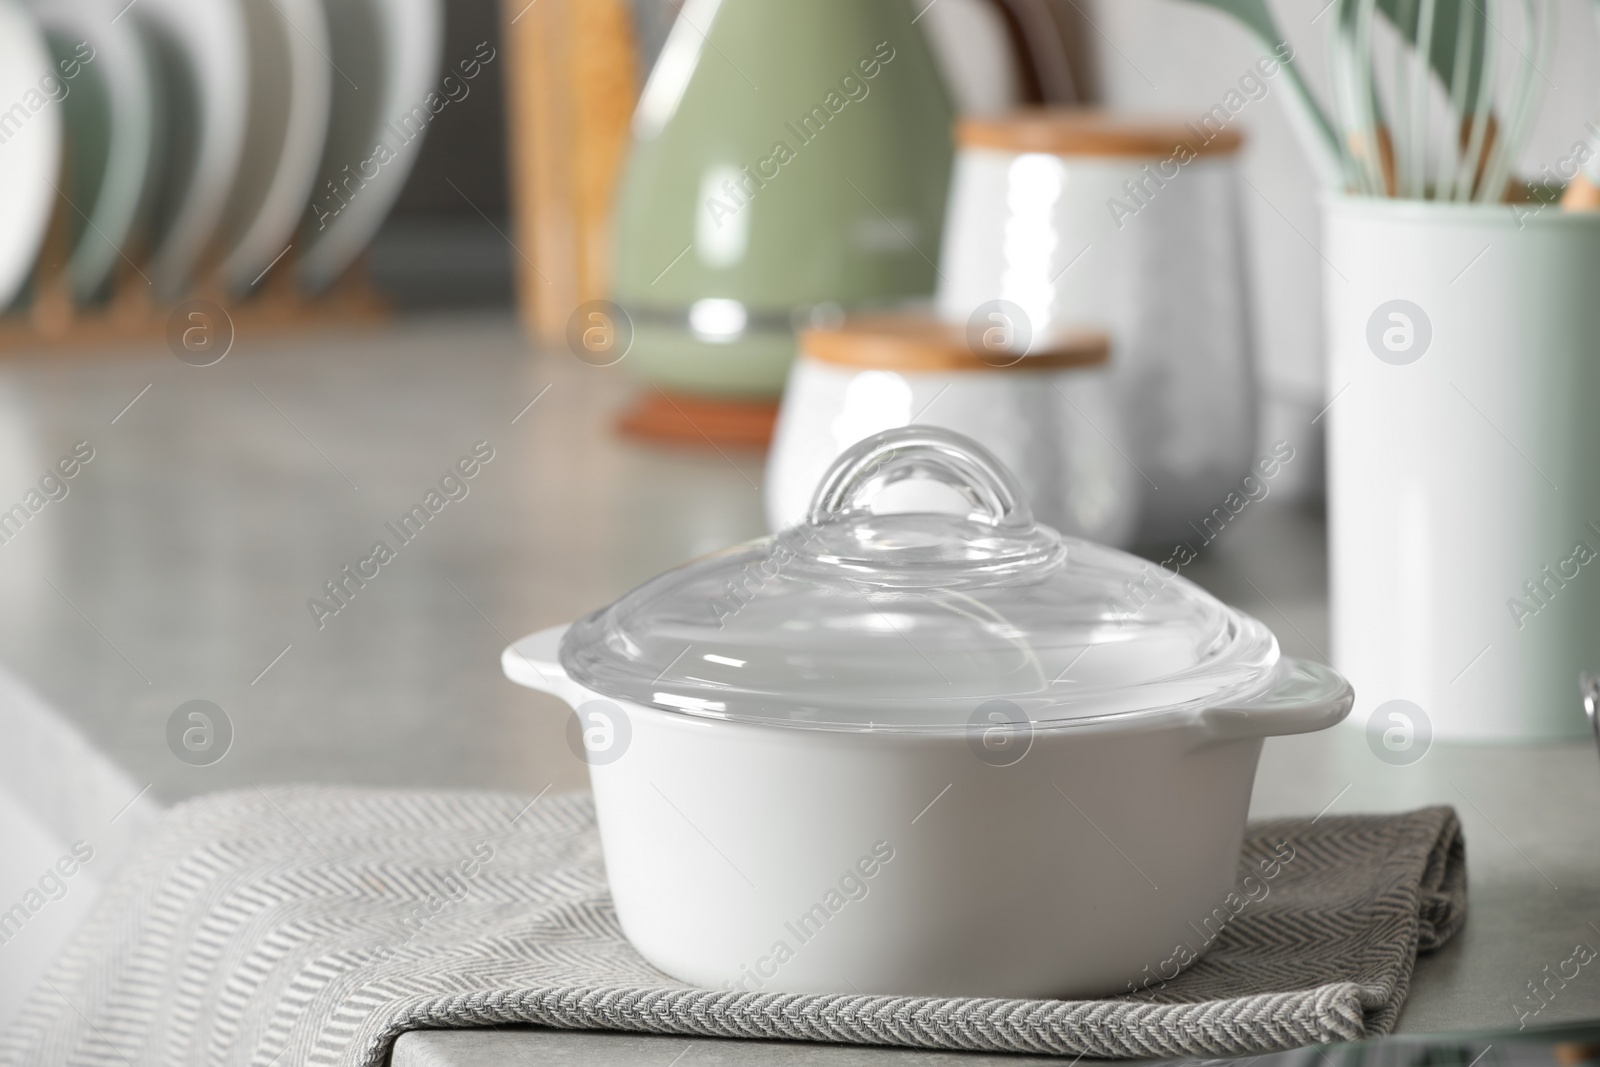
[[179, 566]]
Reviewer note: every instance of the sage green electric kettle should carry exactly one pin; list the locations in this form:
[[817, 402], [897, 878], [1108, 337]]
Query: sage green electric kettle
[[789, 158]]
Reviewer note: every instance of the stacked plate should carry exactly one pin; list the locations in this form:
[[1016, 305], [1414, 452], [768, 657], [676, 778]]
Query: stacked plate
[[199, 142]]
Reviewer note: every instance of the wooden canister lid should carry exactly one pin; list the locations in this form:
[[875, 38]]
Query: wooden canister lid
[[1091, 132], [921, 342]]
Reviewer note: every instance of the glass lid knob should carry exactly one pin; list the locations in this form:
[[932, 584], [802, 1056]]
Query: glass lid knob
[[994, 538], [872, 465]]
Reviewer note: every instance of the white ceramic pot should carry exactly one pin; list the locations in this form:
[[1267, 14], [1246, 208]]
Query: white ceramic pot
[[1048, 416], [923, 753], [1080, 219], [1463, 353]]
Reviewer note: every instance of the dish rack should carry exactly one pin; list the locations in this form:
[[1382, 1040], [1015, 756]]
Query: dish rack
[[50, 320]]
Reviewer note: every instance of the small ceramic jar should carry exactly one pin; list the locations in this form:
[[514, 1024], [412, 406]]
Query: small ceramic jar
[[1048, 414], [1083, 219]]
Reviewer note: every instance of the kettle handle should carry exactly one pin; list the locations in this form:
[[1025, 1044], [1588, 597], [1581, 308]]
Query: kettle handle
[[1304, 696]]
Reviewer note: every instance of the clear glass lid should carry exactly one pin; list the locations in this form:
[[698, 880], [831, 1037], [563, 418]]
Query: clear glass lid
[[867, 618]]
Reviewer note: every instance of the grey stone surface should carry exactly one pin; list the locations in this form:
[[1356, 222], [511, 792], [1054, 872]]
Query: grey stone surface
[[180, 564]]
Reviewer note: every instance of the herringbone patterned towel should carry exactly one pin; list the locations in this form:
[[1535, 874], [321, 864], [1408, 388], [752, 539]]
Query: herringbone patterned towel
[[313, 925]]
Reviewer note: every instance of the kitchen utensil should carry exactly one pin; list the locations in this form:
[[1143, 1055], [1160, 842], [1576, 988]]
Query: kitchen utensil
[[1453, 38], [1310, 123], [1048, 415], [1083, 219], [1538, 44], [1460, 436], [287, 125], [110, 134], [390, 51], [921, 753], [1369, 154], [1388, 148], [1480, 126], [202, 55], [785, 156], [1412, 81], [30, 146]]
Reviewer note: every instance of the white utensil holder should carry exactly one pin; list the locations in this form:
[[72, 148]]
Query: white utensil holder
[[1463, 464]]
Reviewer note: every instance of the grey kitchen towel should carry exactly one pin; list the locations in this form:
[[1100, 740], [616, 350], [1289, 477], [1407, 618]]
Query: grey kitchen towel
[[312, 925]]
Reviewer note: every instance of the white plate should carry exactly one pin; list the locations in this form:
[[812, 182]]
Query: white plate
[[290, 80], [30, 146], [200, 51], [110, 126], [395, 46]]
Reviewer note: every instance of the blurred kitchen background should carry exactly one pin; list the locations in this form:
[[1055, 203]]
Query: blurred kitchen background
[[259, 400], [445, 243]]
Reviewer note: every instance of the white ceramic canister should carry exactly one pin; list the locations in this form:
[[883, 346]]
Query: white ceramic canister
[[1464, 489], [1077, 218], [1049, 415]]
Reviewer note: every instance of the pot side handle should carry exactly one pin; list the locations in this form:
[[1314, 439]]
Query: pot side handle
[[1306, 696], [535, 661]]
